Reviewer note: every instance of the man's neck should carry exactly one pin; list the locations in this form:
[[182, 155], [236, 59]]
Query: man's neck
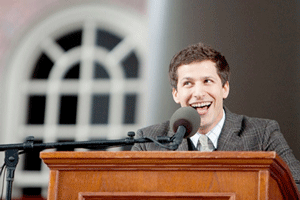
[[205, 130]]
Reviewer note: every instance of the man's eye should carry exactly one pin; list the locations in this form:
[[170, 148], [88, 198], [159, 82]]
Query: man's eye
[[187, 83], [208, 81]]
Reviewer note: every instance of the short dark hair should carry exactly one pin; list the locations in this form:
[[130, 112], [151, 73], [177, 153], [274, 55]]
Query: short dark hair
[[197, 53]]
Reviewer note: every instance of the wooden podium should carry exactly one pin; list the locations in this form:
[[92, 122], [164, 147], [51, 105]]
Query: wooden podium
[[168, 175]]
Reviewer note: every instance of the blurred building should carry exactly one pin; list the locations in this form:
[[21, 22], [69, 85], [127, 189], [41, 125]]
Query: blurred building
[[76, 72], [83, 70]]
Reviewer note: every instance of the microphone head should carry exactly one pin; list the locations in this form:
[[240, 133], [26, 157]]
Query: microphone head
[[187, 117]]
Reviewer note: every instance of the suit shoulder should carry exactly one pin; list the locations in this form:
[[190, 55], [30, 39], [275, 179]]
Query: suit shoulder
[[247, 119], [243, 123], [156, 129], [262, 122]]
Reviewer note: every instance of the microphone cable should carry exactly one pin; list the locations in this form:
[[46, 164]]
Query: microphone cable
[[2, 168], [160, 144]]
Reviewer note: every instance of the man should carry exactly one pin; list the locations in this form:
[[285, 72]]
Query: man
[[199, 76]]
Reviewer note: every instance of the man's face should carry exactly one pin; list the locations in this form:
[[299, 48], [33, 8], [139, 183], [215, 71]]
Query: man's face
[[199, 86]]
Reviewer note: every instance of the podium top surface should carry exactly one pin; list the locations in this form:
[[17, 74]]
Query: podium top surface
[[184, 158]]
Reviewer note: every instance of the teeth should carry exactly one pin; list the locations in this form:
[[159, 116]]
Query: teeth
[[200, 105]]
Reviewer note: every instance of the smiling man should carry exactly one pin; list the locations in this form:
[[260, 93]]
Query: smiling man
[[199, 76], [199, 86]]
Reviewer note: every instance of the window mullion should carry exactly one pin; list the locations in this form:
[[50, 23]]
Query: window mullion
[[52, 49]]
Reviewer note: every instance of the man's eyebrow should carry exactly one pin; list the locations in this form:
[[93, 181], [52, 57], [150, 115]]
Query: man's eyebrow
[[208, 77], [203, 78], [186, 78]]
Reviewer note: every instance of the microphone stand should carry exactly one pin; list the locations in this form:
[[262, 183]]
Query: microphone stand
[[12, 150]]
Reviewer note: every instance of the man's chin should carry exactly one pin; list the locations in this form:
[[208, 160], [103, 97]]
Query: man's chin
[[204, 124]]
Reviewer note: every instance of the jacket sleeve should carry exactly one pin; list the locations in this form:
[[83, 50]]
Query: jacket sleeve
[[138, 146], [152, 132], [275, 141]]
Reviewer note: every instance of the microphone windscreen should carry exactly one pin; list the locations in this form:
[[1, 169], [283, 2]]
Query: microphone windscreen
[[187, 117]]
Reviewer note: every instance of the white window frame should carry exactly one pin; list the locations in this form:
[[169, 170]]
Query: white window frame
[[18, 84]]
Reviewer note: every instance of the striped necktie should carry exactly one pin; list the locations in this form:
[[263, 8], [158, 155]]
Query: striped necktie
[[204, 143]]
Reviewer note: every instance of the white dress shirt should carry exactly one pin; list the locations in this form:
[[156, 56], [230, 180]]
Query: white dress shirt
[[213, 134]]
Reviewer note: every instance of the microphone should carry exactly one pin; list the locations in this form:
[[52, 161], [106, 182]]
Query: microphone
[[184, 122]]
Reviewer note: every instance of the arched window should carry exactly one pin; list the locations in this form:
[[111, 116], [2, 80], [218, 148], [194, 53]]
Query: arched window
[[77, 75]]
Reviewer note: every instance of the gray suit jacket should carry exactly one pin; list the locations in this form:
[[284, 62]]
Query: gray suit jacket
[[239, 133]]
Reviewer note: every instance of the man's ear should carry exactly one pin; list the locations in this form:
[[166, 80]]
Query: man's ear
[[226, 90], [175, 95]]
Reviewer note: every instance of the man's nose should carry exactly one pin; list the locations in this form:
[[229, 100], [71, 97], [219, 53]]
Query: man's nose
[[199, 91]]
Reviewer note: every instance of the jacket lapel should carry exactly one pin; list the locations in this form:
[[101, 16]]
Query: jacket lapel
[[183, 146], [229, 139]]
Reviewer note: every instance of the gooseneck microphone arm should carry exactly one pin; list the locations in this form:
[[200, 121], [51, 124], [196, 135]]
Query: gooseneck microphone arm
[[12, 151], [185, 122], [177, 138], [30, 145]]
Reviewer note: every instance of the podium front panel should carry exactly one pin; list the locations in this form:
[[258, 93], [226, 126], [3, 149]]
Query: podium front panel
[[166, 175]]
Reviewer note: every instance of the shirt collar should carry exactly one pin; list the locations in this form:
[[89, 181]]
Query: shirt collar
[[213, 134]]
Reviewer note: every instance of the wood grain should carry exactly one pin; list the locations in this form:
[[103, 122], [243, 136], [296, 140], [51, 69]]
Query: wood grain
[[168, 175]]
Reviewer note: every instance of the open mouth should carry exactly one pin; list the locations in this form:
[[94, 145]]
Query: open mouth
[[202, 108]]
